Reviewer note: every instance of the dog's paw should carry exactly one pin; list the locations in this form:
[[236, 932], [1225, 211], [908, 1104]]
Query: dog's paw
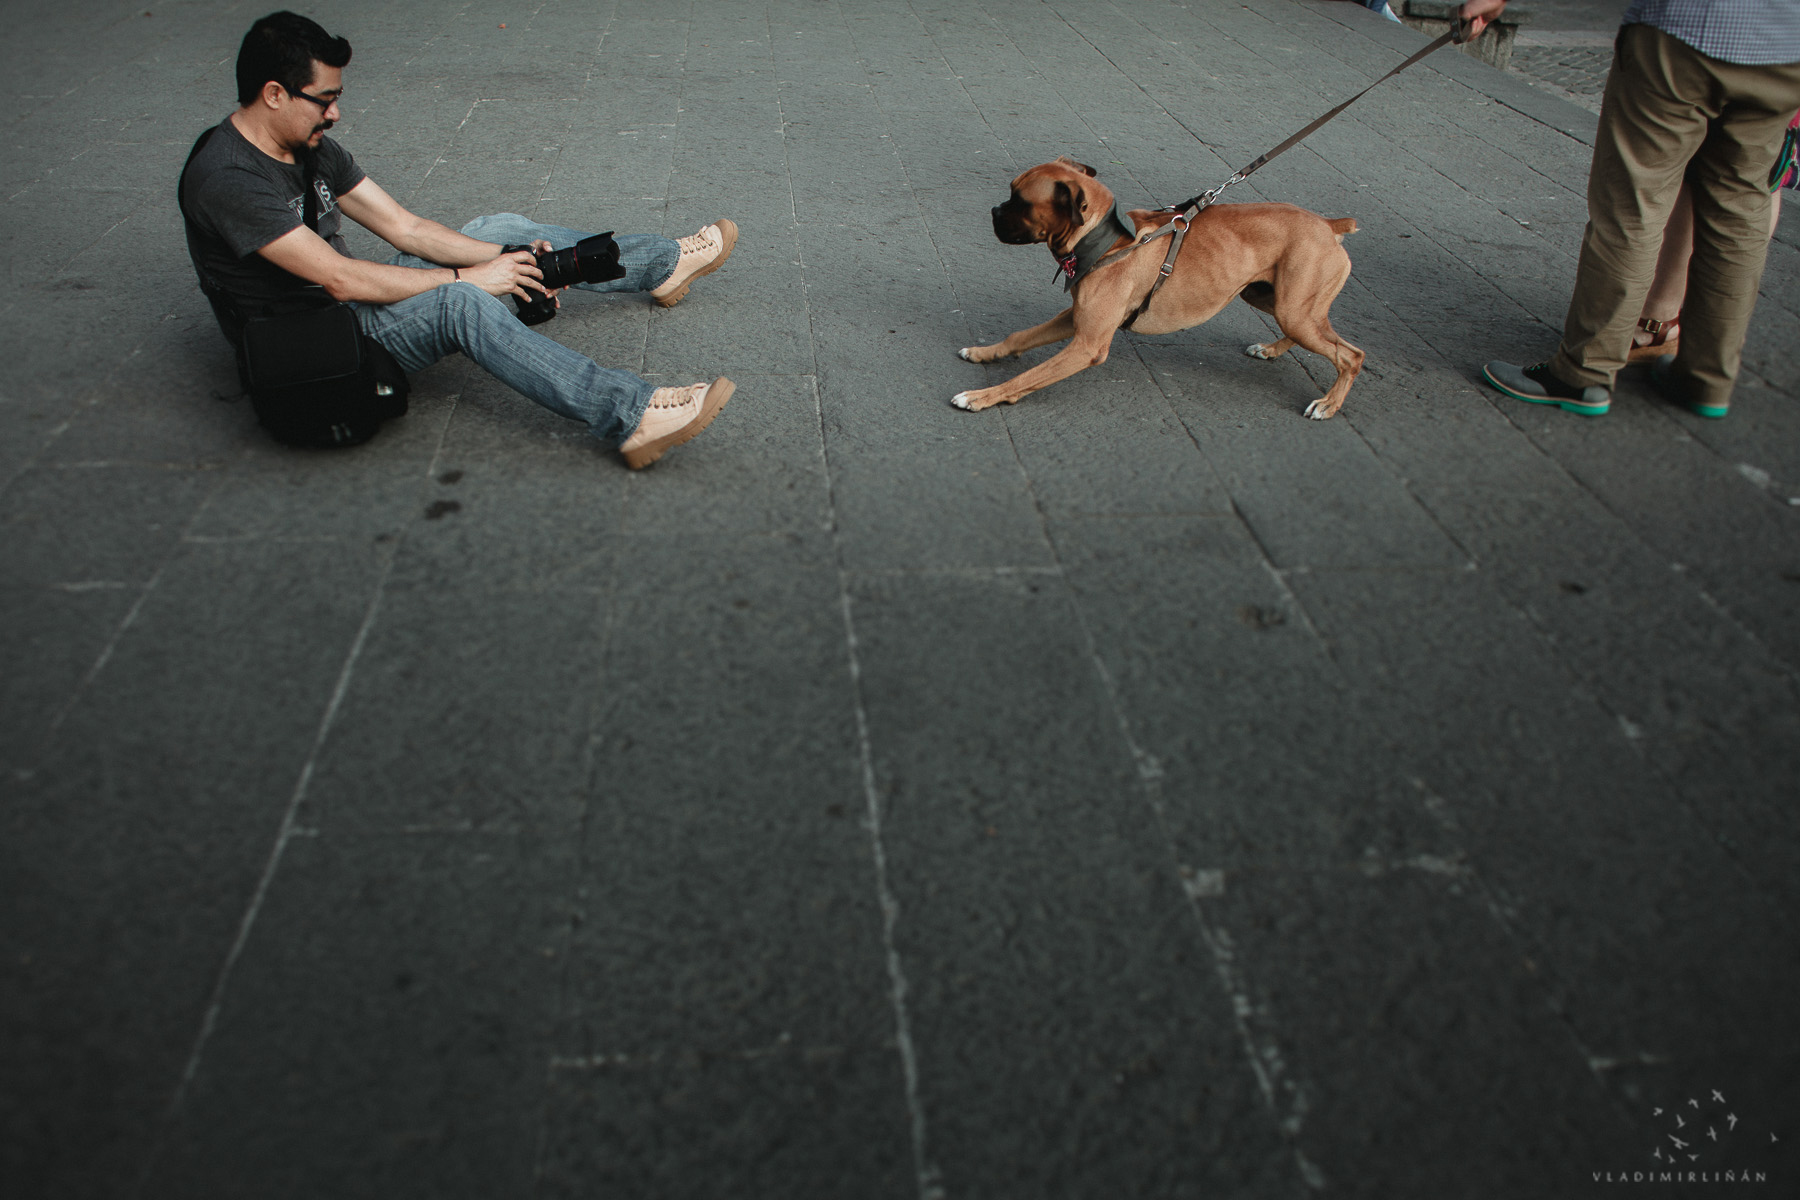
[[967, 402], [1257, 350], [1318, 410], [967, 354]]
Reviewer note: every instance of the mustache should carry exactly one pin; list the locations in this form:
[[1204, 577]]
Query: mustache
[[324, 127]]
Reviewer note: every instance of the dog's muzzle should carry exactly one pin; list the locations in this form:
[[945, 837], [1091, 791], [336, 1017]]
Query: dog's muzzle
[[1009, 229]]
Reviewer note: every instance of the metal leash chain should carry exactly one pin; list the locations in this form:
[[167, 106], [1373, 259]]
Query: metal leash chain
[[1185, 213]]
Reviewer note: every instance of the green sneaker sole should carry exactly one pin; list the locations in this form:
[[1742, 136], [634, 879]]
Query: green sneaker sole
[[1659, 375], [1574, 406]]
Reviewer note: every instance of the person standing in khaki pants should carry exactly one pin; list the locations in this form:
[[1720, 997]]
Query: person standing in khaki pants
[[1700, 90]]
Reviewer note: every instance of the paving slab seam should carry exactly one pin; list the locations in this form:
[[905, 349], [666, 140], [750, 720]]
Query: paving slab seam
[[88, 398], [577, 888], [275, 539], [1352, 115], [125, 623], [1373, 190], [23, 117], [1352, 26], [284, 834], [1589, 687], [433, 39], [668, 186], [1261, 1050], [1511, 417], [576, 891], [607, 598], [1499, 910], [1128, 171], [1284, 1094], [960, 572], [1436, 807], [927, 1177], [442, 156], [1306, 365], [102, 464], [1791, 669], [1445, 116], [1585, 686], [1503, 914], [1260, 1045], [1584, 136], [1146, 94]]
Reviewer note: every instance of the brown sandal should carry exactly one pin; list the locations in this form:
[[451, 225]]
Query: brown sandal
[[1665, 338]]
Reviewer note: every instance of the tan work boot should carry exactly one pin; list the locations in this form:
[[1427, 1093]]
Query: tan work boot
[[701, 254], [673, 416]]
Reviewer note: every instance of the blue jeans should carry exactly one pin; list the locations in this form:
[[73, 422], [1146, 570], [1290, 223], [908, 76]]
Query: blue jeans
[[460, 316]]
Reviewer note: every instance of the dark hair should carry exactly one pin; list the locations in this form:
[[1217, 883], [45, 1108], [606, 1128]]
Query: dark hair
[[282, 46]]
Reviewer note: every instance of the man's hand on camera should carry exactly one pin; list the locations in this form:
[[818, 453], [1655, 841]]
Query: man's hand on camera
[[543, 247], [514, 274]]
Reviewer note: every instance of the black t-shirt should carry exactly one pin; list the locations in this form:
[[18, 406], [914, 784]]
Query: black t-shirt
[[239, 200]]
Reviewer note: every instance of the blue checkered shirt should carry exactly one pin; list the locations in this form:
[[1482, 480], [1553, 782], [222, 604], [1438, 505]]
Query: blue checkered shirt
[[1749, 32]]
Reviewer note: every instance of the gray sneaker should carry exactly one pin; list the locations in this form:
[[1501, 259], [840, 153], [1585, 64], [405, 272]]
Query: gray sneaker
[[1536, 385], [1662, 374]]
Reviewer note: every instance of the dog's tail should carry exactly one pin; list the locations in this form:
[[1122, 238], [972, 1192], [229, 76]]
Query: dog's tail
[[1342, 226]]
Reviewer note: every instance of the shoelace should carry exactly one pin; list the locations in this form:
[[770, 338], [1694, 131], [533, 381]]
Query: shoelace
[[697, 243], [679, 397]]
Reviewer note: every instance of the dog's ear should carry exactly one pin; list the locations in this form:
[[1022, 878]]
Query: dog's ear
[[1082, 167], [1071, 202]]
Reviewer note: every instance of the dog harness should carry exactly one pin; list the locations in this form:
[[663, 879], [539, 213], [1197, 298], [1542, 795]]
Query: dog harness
[[1091, 249], [1185, 213]]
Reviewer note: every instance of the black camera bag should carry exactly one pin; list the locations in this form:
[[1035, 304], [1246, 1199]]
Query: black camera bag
[[314, 378]]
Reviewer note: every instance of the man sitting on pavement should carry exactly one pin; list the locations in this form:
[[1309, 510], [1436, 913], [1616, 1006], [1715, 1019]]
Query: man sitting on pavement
[[443, 291], [1700, 90]]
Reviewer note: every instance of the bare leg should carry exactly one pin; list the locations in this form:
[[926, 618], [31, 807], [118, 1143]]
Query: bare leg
[[1670, 285]]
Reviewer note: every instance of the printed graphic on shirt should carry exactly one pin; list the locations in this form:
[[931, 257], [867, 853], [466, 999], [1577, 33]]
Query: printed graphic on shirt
[[327, 201]]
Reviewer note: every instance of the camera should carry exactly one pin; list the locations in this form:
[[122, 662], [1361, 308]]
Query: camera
[[591, 260]]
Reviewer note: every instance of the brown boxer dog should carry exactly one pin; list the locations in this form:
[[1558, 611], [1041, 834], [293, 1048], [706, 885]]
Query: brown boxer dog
[[1286, 261]]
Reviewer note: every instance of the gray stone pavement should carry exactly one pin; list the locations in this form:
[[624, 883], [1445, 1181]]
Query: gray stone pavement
[[1576, 72], [1565, 47], [1142, 791]]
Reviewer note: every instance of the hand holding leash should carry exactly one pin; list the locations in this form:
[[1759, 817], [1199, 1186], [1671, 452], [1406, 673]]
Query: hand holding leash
[[1473, 17]]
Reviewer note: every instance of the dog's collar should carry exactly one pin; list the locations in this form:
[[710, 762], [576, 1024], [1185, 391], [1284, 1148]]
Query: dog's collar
[[1091, 249]]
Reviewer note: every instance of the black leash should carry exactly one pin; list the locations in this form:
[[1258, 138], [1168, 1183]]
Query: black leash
[[1192, 208]]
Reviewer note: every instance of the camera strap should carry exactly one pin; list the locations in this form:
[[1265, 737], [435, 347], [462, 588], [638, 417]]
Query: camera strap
[[309, 202]]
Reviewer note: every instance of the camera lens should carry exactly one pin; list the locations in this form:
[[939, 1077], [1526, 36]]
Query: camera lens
[[591, 260]]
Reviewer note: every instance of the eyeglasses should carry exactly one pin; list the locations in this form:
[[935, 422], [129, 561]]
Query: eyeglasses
[[322, 103]]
